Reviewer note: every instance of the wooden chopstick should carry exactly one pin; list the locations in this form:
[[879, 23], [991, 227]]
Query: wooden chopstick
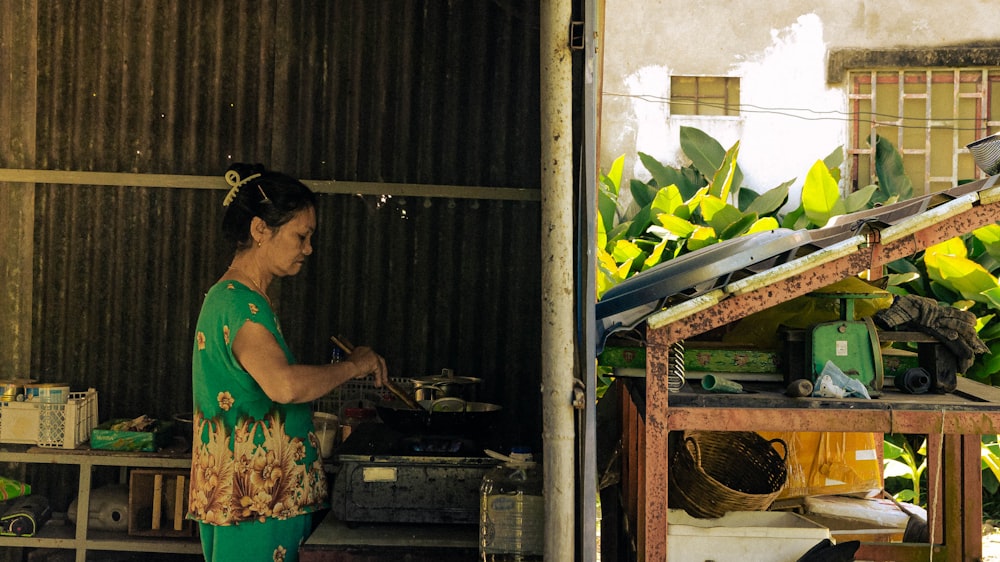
[[406, 398]]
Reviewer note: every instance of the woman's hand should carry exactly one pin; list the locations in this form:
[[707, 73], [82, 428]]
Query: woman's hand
[[369, 363]]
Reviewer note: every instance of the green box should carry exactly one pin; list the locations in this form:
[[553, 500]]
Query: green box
[[103, 437]]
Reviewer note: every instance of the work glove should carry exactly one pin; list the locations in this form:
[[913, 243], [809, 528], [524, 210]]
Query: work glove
[[955, 328]]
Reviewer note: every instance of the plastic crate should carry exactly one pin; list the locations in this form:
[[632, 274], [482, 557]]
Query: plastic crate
[[358, 393], [60, 426]]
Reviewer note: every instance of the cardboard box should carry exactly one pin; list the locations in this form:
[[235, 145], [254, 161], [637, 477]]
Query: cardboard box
[[157, 503], [829, 463], [104, 437]]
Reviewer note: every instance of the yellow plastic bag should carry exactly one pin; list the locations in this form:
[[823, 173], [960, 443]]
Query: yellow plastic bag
[[761, 329], [830, 463]]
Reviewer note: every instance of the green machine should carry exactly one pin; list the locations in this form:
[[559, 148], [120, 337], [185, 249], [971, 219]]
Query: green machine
[[852, 345]]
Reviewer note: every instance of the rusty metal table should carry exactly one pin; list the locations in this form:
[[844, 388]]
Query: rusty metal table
[[953, 424]]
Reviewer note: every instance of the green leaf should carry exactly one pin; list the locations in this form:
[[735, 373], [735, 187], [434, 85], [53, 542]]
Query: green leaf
[[720, 214], [890, 450], [763, 224], [690, 181], [656, 256], [668, 200], [993, 297], [701, 237], [722, 180], [642, 193], [640, 222], [739, 227], [614, 175], [625, 250], [706, 153], [791, 219], [896, 469], [820, 195], [771, 200], [990, 461], [835, 158], [745, 197], [987, 364], [662, 175], [990, 237], [892, 178], [990, 331], [676, 225], [958, 273], [860, 198], [607, 209]]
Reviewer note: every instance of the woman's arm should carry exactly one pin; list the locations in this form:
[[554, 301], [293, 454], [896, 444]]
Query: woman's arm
[[259, 353]]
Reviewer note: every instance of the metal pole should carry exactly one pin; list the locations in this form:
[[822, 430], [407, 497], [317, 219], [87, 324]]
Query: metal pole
[[557, 279]]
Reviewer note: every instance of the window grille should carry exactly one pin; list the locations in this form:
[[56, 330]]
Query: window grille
[[705, 95], [929, 115]]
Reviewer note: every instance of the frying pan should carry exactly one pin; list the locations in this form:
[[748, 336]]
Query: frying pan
[[477, 419]]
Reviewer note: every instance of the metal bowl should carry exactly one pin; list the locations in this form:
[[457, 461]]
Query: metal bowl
[[986, 153]]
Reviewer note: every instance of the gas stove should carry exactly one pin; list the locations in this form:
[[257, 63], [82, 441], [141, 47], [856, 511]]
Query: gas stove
[[386, 476]]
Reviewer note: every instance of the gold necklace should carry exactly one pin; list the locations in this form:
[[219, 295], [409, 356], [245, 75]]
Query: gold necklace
[[256, 286]]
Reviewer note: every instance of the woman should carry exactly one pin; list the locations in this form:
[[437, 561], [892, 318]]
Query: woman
[[256, 476]]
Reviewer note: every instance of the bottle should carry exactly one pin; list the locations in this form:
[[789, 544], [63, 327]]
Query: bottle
[[512, 510]]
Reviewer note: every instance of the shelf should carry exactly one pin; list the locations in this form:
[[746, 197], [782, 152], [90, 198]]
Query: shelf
[[58, 534]]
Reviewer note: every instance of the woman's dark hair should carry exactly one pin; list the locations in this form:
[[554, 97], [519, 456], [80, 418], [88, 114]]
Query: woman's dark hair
[[257, 192]]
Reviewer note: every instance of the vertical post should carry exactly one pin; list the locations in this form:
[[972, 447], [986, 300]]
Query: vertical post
[[557, 279]]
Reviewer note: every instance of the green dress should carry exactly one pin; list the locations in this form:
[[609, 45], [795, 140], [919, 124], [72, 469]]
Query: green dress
[[254, 461]]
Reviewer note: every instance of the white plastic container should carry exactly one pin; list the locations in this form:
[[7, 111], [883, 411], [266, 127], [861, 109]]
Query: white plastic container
[[512, 510], [327, 429], [739, 536]]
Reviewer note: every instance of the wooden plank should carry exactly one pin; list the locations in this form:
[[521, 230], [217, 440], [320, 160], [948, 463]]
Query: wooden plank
[[779, 419], [180, 493], [178, 181], [157, 501], [971, 497]]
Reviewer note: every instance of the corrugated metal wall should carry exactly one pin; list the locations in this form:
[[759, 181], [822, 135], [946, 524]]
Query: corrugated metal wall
[[434, 92]]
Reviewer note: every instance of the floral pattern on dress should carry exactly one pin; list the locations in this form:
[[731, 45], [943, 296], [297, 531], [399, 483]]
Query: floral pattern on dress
[[261, 475], [226, 400]]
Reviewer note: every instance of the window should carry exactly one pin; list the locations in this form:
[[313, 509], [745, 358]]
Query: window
[[929, 115], [705, 95]]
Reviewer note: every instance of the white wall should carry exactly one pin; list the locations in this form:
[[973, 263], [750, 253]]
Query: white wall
[[779, 52]]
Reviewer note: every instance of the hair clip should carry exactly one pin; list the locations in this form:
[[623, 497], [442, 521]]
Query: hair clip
[[265, 199], [233, 179]]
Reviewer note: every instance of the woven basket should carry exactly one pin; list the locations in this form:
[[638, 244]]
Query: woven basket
[[715, 472], [986, 153]]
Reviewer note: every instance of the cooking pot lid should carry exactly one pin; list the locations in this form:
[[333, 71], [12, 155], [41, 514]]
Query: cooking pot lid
[[440, 379]]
